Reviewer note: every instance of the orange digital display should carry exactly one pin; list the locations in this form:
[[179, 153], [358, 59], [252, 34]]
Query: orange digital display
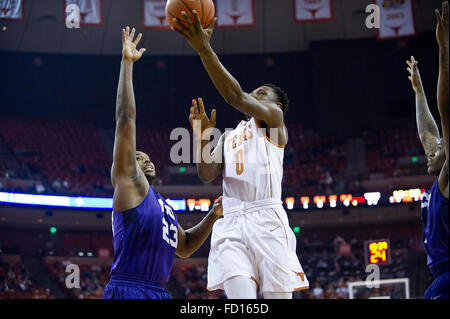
[[202, 204], [378, 251]]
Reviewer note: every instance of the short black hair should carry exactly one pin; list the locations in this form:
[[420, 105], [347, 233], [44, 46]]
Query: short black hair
[[282, 97]]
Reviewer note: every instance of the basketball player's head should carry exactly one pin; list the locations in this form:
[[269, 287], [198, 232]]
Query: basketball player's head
[[146, 165], [436, 161], [271, 92]]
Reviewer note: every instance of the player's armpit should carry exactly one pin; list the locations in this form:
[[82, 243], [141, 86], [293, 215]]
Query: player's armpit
[[129, 193]]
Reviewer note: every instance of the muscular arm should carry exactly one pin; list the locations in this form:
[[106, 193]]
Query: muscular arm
[[125, 175], [189, 241], [442, 35], [232, 92], [124, 156], [426, 125], [225, 83]]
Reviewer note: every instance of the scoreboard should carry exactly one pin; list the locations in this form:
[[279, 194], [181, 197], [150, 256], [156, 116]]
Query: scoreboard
[[377, 252]]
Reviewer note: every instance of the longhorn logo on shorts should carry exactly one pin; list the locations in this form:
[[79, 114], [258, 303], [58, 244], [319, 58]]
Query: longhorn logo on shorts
[[300, 274]]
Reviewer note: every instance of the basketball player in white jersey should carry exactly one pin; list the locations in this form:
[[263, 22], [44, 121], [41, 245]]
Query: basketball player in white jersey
[[253, 245]]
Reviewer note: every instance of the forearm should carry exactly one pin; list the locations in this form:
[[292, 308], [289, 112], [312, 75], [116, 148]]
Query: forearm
[[196, 236], [442, 95], [207, 168], [125, 104], [443, 82], [425, 121], [225, 83]]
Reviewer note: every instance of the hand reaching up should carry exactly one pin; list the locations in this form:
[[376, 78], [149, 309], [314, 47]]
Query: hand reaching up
[[129, 51]]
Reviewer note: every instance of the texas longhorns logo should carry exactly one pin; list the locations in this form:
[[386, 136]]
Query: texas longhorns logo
[[162, 19], [396, 28], [313, 11], [300, 274], [83, 16], [235, 17]]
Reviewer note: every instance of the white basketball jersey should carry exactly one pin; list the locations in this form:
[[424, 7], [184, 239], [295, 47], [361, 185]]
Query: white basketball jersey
[[253, 169]]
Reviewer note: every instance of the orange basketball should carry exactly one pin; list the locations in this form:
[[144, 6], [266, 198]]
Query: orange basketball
[[204, 8]]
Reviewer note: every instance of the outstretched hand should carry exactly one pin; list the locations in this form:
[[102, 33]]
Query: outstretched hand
[[129, 51], [198, 114], [414, 77], [194, 33], [442, 25]]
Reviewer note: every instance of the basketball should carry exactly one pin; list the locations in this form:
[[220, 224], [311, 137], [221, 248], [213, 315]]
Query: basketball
[[204, 8]]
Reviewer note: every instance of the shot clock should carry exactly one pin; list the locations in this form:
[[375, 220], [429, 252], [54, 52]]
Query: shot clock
[[378, 252]]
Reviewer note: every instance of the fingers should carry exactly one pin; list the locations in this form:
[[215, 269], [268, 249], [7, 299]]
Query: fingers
[[198, 23], [195, 106], [202, 106], [212, 25], [133, 31], [126, 35], [438, 17], [141, 51], [213, 117], [445, 11], [188, 21], [138, 39], [180, 28], [412, 65]]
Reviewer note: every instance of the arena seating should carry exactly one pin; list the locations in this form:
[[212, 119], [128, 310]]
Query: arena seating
[[17, 283], [328, 270], [57, 151], [385, 146], [60, 150], [93, 280]]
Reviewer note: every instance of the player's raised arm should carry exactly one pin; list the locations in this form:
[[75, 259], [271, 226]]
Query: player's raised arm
[[426, 125], [190, 240], [125, 167], [227, 85], [209, 165], [443, 82]]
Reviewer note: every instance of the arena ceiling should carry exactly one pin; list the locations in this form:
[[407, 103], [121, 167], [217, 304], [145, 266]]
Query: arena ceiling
[[43, 29]]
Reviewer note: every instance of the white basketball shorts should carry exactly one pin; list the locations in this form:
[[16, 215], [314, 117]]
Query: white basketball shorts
[[259, 245]]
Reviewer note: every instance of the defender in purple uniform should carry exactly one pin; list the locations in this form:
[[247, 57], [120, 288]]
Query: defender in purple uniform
[[435, 213], [146, 234]]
